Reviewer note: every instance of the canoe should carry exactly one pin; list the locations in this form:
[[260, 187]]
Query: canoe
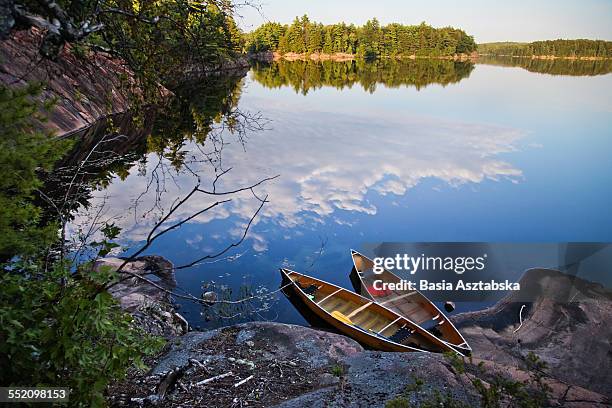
[[358, 317], [412, 305]]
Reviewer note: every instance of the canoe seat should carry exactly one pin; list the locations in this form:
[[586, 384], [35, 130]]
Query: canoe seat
[[345, 319], [402, 334]]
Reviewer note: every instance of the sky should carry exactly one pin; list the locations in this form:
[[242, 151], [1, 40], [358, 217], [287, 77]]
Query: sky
[[517, 20]]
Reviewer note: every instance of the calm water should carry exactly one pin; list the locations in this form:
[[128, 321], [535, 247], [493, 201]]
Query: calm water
[[420, 151]]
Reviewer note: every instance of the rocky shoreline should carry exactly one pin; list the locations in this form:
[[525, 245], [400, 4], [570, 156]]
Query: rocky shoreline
[[151, 307], [274, 364], [89, 89]]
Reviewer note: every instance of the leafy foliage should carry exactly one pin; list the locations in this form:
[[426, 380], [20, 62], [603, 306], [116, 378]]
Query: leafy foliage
[[185, 34], [500, 390], [60, 331], [24, 152], [337, 370], [437, 399], [370, 40], [57, 328], [155, 38]]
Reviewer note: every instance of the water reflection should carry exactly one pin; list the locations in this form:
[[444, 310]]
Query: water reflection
[[553, 66], [202, 110], [374, 162], [304, 76], [324, 169], [93, 176]]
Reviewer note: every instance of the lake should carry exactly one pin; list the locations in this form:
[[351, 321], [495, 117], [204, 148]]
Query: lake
[[420, 150]]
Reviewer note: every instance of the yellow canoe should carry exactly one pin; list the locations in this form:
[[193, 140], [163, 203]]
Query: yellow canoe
[[367, 322]]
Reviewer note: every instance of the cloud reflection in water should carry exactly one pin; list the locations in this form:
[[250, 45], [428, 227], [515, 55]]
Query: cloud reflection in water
[[327, 162]]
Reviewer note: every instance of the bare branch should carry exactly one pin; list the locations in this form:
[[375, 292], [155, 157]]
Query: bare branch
[[151, 237], [238, 190], [232, 245]]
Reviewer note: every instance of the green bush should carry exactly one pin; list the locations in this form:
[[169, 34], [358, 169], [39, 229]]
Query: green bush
[[337, 370], [24, 152], [57, 328], [60, 331], [398, 402], [501, 390]]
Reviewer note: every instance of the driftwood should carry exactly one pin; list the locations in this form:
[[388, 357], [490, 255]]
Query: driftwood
[[196, 362], [239, 383], [211, 379]]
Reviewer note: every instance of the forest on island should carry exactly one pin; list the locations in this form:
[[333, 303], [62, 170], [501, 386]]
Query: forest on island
[[558, 48], [369, 41]]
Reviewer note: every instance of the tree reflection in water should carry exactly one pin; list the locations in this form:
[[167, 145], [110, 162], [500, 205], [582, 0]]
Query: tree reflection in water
[[304, 76], [558, 66]]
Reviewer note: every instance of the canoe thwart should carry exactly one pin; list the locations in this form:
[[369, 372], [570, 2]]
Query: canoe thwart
[[328, 296], [398, 297], [389, 325], [354, 312]]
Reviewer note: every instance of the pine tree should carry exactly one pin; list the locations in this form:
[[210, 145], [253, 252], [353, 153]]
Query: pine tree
[[295, 37], [315, 38], [329, 42]]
